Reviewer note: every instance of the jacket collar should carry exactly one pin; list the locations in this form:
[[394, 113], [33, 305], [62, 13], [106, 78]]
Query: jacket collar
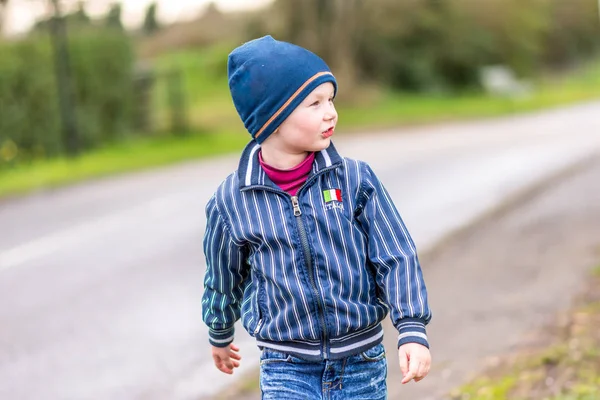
[[250, 173]]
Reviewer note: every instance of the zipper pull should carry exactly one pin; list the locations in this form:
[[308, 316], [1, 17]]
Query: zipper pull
[[258, 326], [296, 206]]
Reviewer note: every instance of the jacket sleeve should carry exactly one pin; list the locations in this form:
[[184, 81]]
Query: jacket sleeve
[[226, 273], [392, 253]]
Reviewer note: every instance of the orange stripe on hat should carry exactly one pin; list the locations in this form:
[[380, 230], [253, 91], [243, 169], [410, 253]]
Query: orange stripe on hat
[[287, 103]]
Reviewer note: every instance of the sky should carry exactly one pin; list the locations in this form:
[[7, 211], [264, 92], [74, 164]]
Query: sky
[[22, 14]]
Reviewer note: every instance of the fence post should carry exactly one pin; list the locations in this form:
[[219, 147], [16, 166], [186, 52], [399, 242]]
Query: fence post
[[143, 84], [63, 74], [179, 123]]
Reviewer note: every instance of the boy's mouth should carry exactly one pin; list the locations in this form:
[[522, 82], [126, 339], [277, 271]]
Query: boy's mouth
[[328, 133]]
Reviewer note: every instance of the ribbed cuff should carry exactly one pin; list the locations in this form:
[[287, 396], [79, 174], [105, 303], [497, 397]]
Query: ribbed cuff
[[221, 338], [412, 330]]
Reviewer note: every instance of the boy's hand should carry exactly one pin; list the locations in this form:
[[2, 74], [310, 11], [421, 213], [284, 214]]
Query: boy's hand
[[226, 358], [415, 361]]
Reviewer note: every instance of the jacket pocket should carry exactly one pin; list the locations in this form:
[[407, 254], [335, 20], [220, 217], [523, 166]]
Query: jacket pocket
[[257, 311], [259, 322]]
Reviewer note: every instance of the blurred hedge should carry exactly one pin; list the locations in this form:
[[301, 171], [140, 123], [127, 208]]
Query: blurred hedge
[[438, 45], [29, 117], [102, 67]]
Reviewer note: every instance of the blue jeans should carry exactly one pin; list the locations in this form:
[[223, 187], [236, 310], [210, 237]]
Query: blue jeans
[[286, 377]]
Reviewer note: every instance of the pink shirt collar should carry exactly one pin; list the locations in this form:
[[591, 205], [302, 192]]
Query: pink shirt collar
[[289, 180]]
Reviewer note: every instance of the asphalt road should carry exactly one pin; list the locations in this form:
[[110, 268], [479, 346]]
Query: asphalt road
[[100, 283]]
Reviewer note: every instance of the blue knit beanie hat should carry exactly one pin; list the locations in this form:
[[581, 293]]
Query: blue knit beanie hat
[[268, 79]]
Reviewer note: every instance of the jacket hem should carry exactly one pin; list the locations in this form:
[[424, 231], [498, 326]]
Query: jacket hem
[[338, 348]]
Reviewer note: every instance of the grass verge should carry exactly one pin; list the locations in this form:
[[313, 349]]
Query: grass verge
[[568, 369], [207, 92], [128, 156]]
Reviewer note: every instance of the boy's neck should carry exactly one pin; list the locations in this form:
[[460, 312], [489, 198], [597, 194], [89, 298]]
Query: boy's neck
[[281, 159]]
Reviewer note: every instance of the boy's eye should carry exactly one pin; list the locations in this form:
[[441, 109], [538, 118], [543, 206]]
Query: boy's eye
[[316, 103]]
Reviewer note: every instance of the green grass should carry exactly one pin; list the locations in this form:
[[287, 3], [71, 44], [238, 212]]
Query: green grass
[[399, 109], [560, 373], [205, 86], [129, 156], [488, 389], [210, 109]]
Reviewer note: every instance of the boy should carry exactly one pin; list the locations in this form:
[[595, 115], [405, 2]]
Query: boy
[[305, 246]]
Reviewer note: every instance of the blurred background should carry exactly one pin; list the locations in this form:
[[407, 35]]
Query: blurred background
[[80, 76], [482, 118]]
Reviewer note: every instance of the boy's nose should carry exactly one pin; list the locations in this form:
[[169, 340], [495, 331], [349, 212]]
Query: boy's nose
[[331, 113]]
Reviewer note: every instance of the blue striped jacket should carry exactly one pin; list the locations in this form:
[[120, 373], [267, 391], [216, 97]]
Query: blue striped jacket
[[314, 274]]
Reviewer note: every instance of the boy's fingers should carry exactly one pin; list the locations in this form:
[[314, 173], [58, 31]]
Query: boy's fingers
[[226, 361], [403, 363], [422, 372], [226, 370], [407, 378], [422, 369], [223, 367], [412, 371], [220, 366]]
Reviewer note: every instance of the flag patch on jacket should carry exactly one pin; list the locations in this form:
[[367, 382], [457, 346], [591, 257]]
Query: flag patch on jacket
[[332, 195]]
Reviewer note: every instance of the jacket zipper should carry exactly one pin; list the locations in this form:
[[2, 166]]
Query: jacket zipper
[[304, 240], [306, 250]]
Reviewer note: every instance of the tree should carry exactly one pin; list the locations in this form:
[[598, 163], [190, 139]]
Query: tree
[[113, 18], [150, 23], [80, 17], [2, 8], [328, 27]]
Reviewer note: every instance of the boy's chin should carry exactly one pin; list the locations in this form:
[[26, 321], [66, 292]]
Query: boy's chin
[[316, 146], [321, 144]]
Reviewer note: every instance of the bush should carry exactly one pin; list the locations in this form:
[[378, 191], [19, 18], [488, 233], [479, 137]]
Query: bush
[[29, 116], [103, 65], [439, 45], [30, 125]]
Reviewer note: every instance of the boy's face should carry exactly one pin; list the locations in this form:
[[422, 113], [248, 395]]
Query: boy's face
[[310, 126]]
